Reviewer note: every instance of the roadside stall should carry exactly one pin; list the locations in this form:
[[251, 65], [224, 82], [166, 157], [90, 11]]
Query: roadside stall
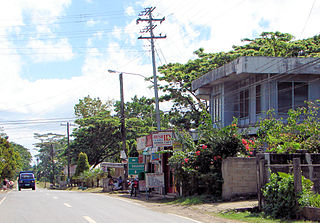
[[158, 174]]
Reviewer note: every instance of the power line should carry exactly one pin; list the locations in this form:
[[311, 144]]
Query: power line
[[307, 20]]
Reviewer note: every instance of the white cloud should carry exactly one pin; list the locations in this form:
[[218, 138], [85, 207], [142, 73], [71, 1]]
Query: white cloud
[[92, 22], [46, 51], [130, 11]]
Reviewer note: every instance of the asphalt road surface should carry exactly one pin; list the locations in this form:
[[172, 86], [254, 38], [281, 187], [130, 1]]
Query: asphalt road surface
[[51, 206]]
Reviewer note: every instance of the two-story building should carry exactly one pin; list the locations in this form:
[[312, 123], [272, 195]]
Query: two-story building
[[249, 86]]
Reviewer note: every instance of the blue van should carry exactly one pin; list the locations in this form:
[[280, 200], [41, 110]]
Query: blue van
[[26, 180]]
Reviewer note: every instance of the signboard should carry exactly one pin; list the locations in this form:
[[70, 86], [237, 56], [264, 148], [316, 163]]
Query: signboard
[[123, 154], [155, 156], [112, 165], [133, 160], [141, 143], [162, 139], [142, 185], [140, 158], [154, 180], [149, 141], [135, 168]]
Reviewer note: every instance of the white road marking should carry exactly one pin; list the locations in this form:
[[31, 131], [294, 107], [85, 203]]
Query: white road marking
[[55, 197], [2, 200], [90, 220], [67, 205], [190, 219]]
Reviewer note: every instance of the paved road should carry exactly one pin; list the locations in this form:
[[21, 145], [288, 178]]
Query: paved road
[[50, 206]]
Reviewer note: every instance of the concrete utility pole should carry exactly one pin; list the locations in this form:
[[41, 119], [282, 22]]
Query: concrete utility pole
[[149, 29], [68, 148], [123, 127]]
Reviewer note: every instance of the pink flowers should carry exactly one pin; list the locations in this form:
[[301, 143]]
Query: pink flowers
[[244, 142], [248, 145], [186, 160], [198, 153], [204, 146]]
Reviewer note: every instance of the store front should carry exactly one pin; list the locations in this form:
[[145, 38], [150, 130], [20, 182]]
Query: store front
[[152, 149]]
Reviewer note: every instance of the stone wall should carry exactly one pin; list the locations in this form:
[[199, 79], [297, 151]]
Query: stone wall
[[240, 177]]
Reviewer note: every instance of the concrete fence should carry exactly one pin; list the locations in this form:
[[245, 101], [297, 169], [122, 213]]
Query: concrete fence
[[240, 177]]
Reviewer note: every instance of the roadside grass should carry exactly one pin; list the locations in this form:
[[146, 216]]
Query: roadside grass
[[40, 184], [253, 217], [89, 189], [192, 200]]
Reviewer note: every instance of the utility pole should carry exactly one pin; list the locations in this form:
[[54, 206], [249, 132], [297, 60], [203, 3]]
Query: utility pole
[[53, 166], [149, 29], [123, 127], [68, 148]]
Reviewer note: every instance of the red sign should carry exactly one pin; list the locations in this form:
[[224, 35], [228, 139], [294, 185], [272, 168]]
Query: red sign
[[140, 158], [149, 141]]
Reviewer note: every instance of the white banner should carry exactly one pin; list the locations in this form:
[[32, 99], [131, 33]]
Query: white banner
[[141, 143], [154, 180]]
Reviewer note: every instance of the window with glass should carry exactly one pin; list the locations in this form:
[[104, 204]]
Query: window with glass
[[258, 99], [291, 95], [244, 103], [216, 103]]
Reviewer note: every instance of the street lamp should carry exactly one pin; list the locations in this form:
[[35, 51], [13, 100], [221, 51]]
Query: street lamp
[[123, 125], [155, 86]]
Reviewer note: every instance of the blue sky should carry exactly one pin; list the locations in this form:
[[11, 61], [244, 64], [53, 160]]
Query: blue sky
[[54, 52]]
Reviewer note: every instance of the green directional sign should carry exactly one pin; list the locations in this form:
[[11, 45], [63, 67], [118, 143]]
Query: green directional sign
[[133, 160], [135, 168]]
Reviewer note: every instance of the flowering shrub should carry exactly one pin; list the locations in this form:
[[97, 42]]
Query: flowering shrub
[[198, 166]]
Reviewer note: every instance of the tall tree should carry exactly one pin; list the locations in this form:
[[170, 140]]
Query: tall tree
[[82, 164], [97, 133], [89, 107], [25, 156], [9, 159], [140, 120]]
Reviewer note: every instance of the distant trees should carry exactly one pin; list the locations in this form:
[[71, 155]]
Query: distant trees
[[51, 155], [10, 160], [13, 158]]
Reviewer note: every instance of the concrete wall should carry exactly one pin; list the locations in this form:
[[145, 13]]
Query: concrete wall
[[239, 176]]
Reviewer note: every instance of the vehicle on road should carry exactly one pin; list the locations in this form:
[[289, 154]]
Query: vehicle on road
[[26, 180]]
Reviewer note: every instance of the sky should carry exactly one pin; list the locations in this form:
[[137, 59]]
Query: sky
[[55, 52]]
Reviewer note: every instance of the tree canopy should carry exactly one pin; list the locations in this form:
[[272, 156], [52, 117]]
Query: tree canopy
[[10, 160]]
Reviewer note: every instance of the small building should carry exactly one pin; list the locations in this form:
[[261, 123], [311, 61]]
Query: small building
[[249, 86], [152, 154]]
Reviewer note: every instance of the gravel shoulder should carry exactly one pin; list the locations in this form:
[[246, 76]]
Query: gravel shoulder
[[200, 212]]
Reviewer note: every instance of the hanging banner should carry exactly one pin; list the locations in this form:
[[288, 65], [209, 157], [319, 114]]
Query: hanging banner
[[149, 141], [162, 139], [141, 143]]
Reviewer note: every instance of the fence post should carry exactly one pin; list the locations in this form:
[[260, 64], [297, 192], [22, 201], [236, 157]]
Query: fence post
[[297, 175], [261, 177]]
